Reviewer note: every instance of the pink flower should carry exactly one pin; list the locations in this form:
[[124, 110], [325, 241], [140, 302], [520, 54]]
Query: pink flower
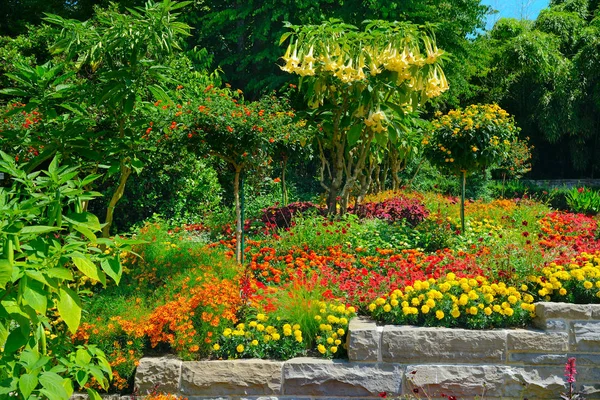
[[570, 370]]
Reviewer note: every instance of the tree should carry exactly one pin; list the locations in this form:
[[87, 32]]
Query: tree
[[361, 86], [219, 122], [243, 35], [92, 100], [464, 141]]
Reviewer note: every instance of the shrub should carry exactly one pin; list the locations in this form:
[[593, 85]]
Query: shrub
[[281, 217], [393, 210]]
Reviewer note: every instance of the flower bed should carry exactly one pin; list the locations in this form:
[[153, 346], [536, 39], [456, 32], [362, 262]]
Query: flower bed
[[302, 284], [395, 360]]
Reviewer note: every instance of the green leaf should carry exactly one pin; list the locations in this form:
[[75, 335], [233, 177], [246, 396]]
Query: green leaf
[[6, 269], [27, 384], [113, 268], [84, 219], [354, 134], [159, 93], [137, 165], [37, 229], [35, 295], [3, 334], [82, 357], [61, 273], [53, 386], [16, 339], [81, 377], [129, 103], [93, 395], [88, 268], [14, 92], [69, 307]]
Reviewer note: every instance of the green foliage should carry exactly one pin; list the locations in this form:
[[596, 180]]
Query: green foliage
[[475, 138], [248, 32], [48, 243], [92, 99], [583, 200]]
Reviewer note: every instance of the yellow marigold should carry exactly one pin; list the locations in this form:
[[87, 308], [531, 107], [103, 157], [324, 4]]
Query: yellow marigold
[[425, 309], [321, 349], [216, 346], [333, 349], [439, 314], [240, 348], [387, 308]]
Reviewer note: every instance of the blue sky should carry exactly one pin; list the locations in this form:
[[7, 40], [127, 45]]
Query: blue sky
[[528, 9]]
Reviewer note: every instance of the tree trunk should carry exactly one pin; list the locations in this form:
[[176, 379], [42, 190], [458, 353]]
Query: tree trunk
[[462, 201], [238, 214], [125, 172], [284, 194]]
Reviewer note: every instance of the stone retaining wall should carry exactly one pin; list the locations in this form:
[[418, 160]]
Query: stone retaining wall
[[493, 364]]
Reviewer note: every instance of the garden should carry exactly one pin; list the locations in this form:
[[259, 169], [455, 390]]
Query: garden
[[148, 207]]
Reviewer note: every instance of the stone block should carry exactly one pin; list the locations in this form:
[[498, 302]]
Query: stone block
[[407, 344], [528, 340], [319, 377], [533, 383], [363, 341], [552, 310], [538, 359], [231, 377], [595, 311], [162, 373], [588, 374], [586, 336], [585, 359], [462, 381]]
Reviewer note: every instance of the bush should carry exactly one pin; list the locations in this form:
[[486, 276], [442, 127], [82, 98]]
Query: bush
[[393, 210], [281, 217]]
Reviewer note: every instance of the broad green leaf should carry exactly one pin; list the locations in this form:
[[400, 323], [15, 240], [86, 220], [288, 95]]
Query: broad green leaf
[[61, 273], [16, 339], [6, 270], [69, 307], [113, 268], [82, 357], [53, 386], [137, 165], [86, 232], [27, 384], [81, 377], [88, 268], [35, 295], [85, 219]]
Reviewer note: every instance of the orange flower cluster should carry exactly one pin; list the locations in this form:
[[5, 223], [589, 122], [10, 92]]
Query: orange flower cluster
[[210, 299]]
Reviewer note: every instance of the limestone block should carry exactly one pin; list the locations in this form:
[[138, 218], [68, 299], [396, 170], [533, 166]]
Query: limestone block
[[528, 340], [595, 311], [318, 377], [162, 373], [462, 381], [407, 344], [538, 359], [231, 377], [534, 383], [586, 336], [552, 310], [363, 340]]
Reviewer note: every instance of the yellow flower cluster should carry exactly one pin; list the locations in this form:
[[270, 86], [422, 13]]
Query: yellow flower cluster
[[333, 324], [449, 301], [577, 282]]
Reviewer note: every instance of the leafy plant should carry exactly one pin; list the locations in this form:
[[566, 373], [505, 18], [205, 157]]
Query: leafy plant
[[583, 200], [47, 245]]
